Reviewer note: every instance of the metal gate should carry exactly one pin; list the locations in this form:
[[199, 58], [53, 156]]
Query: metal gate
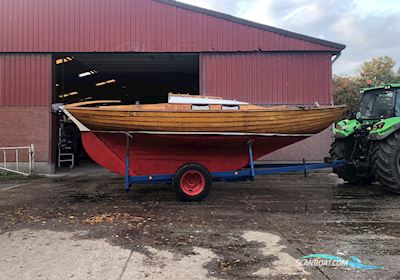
[[11, 160]]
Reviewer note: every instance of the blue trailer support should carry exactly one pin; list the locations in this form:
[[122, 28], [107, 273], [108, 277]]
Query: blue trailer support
[[127, 175], [250, 144], [239, 175]]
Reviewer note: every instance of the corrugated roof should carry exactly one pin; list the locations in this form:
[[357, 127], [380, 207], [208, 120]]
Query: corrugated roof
[[254, 24], [138, 26]]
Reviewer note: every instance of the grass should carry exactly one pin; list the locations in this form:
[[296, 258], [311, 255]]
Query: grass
[[9, 176]]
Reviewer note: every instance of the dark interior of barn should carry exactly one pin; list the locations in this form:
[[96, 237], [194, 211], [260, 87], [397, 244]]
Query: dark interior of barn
[[131, 78]]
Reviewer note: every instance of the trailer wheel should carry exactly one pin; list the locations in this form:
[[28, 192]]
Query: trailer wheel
[[192, 182], [386, 162]]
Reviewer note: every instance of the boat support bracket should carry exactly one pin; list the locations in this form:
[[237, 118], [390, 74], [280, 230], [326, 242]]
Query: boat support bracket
[[127, 175], [251, 159]]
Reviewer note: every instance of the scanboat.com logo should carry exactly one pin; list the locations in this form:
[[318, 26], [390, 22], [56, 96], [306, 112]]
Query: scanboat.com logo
[[333, 261]]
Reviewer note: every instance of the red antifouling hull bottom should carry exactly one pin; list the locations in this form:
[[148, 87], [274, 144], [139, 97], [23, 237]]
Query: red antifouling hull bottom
[[164, 154]]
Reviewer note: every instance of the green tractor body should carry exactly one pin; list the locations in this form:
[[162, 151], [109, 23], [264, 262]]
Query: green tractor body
[[370, 141]]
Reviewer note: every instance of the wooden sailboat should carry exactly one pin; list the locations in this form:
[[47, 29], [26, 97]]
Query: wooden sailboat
[[208, 131], [199, 118]]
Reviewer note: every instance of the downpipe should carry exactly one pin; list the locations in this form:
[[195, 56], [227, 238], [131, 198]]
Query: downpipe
[[336, 57]]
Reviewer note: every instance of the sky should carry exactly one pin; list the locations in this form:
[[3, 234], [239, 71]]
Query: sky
[[368, 28]]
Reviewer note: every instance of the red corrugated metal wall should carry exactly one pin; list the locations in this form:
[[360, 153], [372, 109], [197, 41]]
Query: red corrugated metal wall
[[129, 26], [254, 72], [25, 79], [25, 98], [268, 78]]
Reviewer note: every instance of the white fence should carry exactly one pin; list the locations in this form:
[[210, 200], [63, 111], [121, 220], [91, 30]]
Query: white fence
[[11, 159]]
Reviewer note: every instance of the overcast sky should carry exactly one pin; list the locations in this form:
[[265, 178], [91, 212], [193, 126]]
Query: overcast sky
[[368, 28]]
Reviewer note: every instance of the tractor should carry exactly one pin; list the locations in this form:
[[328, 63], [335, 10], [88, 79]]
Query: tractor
[[370, 140]]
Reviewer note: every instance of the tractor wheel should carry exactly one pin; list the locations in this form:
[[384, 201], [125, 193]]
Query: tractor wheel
[[341, 149], [192, 182], [386, 162]]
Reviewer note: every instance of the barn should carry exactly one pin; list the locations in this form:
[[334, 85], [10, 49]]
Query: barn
[[140, 50]]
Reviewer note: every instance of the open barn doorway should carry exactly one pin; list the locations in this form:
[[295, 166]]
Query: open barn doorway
[[129, 77]]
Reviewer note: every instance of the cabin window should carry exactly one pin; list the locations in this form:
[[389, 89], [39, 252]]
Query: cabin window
[[398, 104], [230, 107], [200, 107]]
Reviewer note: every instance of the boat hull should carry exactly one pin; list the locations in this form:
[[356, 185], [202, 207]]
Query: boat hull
[[152, 154], [168, 118]]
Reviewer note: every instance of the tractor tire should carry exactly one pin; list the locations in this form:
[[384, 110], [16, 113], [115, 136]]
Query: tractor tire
[[386, 162], [341, 149]]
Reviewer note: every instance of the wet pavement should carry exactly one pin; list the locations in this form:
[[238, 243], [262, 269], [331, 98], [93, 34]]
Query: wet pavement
[[84, 226]]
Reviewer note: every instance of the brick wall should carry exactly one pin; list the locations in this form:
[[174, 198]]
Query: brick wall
[[25, 125]]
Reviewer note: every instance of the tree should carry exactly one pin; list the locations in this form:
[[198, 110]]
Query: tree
[[398, 75], [346, 91], [379, 70]]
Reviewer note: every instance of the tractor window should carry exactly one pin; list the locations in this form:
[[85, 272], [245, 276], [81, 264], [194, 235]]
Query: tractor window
[[398, 103], [377, 105]]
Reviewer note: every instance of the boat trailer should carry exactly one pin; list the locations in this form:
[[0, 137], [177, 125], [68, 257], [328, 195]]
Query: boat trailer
[[192, 182]]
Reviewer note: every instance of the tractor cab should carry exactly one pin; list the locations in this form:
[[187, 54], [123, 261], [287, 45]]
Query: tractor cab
[[379, 103], [378, 111]]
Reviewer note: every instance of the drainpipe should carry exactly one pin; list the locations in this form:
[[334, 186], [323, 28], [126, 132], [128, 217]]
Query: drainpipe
[[336, 57], [333, 61]]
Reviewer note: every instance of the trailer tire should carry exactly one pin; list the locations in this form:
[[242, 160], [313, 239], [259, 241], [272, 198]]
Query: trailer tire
[[341, 149], [192, 182], [386, 162]]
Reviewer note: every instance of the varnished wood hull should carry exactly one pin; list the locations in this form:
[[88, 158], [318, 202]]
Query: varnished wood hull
[[250, 120]]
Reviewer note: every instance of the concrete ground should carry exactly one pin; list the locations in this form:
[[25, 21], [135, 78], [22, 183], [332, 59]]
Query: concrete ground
[[84, 226]]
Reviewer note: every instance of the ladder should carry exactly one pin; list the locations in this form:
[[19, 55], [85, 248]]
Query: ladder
[[65, 151]]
